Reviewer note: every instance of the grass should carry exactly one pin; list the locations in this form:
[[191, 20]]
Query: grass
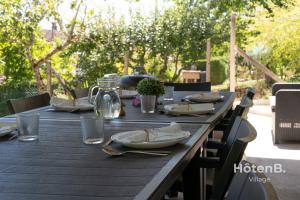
[[263, 91]]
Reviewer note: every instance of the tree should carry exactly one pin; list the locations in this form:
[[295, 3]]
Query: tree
[[21, 33], [276, 42]]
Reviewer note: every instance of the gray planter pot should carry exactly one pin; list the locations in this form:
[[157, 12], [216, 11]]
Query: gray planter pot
[[148, 103]]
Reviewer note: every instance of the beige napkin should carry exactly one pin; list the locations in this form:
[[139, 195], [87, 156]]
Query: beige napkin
[[70, 105], [205, 97]]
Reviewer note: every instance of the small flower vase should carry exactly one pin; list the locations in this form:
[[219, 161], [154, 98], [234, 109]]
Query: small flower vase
[[148, 103]]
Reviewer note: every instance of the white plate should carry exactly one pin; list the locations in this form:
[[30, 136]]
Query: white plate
[[188, 109], [4, 130], [205, 97], [158, 138], [128, 94], [67, 105]]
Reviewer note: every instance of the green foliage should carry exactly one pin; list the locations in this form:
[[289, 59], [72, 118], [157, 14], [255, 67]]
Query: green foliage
[[150, 86], [277, 41], [164, 42], [218, 71], [12, 90]]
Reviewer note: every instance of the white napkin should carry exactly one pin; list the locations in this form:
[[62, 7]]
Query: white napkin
[[7, 127], [181, 109], [205, 96], [68, 105], [171, 132]]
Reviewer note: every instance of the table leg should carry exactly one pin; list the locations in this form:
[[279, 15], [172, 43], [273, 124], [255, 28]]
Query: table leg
[[191, 180], [203, 177]]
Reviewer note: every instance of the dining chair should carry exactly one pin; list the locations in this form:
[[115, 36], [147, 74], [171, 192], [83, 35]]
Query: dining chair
[[251, 185], [225, 127], [204, 86], [221, 167], [241, 109], [250, 92], [28, 103]]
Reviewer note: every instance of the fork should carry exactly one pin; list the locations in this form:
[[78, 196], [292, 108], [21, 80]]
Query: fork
[[114, 152]]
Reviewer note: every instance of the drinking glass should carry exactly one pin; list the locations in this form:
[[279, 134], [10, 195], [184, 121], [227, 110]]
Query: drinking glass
[[92, 129], [28, 126], [169, 91]]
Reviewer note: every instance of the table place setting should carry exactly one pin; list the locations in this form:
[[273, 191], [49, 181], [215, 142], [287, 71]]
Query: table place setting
[[204, 97], [189, 109], [143, 141], [128, 94], [8, 131], [70, 105]]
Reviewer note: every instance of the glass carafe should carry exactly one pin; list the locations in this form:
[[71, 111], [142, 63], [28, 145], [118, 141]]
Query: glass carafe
[[107, 102]]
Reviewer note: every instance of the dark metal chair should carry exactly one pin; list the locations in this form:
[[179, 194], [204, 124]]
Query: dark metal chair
[[229, 153], [250, 93], [226, 125], [21, 105], [240, 110], [285, 112], [249, 186], [204, 86]]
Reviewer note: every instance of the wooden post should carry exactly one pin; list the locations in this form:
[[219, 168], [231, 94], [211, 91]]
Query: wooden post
[[232, 72], [126, 62], [49, 78], [208, 57]]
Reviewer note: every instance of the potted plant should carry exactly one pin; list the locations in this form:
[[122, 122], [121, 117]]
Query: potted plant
[[149, 89]]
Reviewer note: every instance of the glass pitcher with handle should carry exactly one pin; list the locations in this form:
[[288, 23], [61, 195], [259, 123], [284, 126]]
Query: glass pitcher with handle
[[107, 102]]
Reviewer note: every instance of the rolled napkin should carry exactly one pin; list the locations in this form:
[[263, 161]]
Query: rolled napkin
[[171, 132], [7, 128], [128, 94], [205, 97], [186, 109], [70, 105]]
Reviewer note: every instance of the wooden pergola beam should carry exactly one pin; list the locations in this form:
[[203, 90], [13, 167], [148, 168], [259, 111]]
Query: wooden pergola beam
[[258, 65]]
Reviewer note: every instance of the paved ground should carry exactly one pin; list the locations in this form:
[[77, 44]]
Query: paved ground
[[263, 152]]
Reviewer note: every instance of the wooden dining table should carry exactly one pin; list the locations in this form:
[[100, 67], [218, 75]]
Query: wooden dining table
[[60, 166]]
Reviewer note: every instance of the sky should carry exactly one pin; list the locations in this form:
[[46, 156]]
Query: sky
[[121, 8]]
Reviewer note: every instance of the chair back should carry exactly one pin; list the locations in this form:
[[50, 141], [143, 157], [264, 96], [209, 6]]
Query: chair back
[[250, 93], [241, 134], [28, 103], [240, 110], [204, 86], [278, 86], [251, 185]]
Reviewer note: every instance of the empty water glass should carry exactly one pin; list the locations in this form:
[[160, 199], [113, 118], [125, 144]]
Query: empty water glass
[[92, 129], [169, 91], [28, 126]]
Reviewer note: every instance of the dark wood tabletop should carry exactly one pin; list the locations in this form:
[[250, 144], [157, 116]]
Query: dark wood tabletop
[[134, 114], [60, 166]]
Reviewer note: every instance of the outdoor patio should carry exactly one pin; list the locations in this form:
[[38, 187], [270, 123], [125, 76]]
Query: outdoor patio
[[149, 100], [262, 151]]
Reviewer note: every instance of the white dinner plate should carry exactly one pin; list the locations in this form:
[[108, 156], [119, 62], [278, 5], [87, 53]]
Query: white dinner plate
[[188, 109], [128, 94], [59, 104], [158, 138], [205, 97], [4, 130]]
